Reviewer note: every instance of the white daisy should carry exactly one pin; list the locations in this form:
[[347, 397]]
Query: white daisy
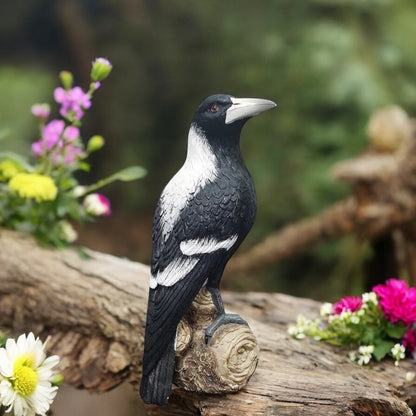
[[26, 375]]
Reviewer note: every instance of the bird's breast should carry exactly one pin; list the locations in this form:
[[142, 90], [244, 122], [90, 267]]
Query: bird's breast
[[187, 182]]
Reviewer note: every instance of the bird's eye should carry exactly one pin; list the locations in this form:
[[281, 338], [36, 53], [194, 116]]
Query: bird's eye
[[214, 108]]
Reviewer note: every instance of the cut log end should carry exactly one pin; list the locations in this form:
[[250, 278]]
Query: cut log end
[[223, 366]]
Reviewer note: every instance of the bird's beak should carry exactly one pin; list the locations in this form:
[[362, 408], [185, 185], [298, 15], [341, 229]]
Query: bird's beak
[[246, 107]]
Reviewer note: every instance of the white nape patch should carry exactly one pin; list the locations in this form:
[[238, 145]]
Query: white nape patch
[[199, 169], [174, 272], [206, 245]]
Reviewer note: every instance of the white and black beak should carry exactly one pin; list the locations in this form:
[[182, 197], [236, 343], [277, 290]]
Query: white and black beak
[[242, 108]]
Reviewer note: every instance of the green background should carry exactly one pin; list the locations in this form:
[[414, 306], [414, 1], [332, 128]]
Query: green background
[[328, 65]]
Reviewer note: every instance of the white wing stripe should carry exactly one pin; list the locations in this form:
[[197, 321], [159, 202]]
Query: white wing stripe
[[206, 245], [181, 266], [173, 273]]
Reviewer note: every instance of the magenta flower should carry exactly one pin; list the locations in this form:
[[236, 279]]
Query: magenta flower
[[409, 341], [397, 301], [97, 204], [348, 303], [73, 102]]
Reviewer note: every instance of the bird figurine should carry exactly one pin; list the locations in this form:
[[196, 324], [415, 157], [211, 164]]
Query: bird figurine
[[202, 217]]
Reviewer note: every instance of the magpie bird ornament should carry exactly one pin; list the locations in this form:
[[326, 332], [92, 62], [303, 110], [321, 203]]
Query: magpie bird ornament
[[202, 217]]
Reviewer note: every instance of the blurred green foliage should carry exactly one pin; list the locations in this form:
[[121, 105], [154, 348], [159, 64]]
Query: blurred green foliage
[[19, 89], [328, 65]]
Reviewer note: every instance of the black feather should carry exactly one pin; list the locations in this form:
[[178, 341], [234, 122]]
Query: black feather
[[156, 385]]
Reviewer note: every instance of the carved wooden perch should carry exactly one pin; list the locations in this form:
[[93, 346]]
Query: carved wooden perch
[[226, 364], [94, 311]]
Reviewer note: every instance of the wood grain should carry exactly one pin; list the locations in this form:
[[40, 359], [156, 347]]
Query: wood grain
[[94, 310]]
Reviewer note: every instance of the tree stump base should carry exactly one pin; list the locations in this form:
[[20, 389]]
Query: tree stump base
[[223, 366]]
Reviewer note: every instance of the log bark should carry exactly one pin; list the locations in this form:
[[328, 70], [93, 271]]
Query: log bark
[[94, 310]]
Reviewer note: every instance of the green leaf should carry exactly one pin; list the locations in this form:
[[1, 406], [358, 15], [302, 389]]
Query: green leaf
[[369, 336], [3, 339], [85, 166], [382, 348], [129, 174], [396, 331], [67, 183], [82, 252]]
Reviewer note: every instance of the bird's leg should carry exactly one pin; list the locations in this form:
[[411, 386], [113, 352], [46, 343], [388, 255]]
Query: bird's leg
[[222, 317]]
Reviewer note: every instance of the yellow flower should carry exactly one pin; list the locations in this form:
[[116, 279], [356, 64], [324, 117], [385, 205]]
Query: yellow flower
[[8, 169], [33, 185]]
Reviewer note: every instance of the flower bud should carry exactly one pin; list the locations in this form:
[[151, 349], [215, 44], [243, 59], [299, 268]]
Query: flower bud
[[79, 191], [41, 111], [66, 79], [101, 68], [57, 380], [410, 376], [95, 143], [97, 204], [68, 232]]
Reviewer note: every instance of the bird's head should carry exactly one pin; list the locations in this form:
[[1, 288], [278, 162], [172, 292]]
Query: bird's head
[[224, 115]]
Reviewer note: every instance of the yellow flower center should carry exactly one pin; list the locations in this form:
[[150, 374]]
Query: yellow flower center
[[25, 378]]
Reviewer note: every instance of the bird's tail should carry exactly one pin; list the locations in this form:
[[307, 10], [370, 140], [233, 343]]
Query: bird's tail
[[156, 385]]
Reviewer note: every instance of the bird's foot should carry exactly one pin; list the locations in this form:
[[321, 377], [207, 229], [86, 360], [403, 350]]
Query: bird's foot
[[226, 318]]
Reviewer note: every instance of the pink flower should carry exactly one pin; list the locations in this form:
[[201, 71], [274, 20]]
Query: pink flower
[[51, 134], [348, 303], [97, 204], [71, 154], [67, 155], [37, 148], [56, 138], [71, 133], [409, 341], [397, 301], [41, 111], [73, 102]]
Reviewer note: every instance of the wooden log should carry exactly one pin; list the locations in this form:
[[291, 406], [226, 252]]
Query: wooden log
[[94, 310]]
